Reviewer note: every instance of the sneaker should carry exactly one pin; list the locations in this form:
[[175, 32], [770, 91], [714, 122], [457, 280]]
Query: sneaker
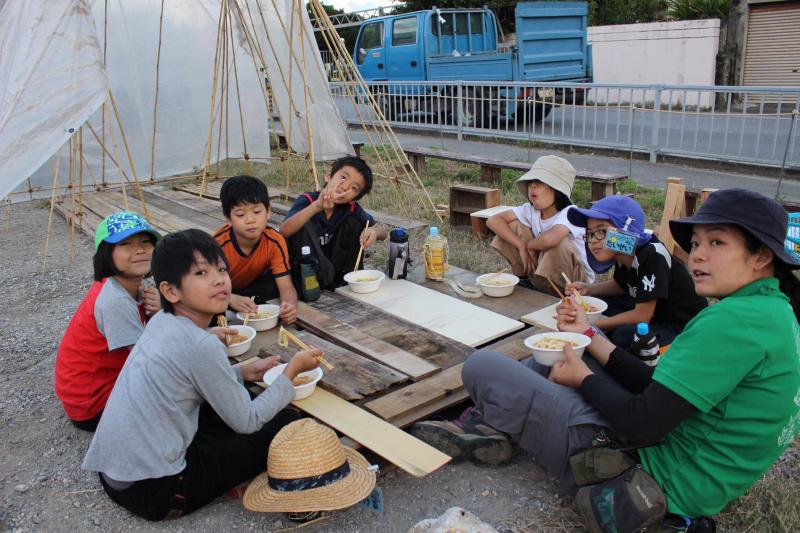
[[466, 438]]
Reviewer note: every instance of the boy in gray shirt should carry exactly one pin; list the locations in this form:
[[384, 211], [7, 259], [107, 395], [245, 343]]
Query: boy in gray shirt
[[179, 428]]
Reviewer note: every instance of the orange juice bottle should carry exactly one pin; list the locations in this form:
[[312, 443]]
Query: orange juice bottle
[[435, 251]]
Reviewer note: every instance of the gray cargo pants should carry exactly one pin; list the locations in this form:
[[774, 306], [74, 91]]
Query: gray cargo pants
[[550, 421]]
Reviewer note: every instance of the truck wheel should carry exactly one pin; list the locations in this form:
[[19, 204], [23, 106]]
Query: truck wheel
[[473, 109], [383, 102], [524, 116]]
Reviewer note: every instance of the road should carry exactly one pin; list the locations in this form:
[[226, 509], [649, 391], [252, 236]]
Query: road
[[643, 172], [735, 136]]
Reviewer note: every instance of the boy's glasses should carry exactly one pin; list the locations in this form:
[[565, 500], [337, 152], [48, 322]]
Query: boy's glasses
[[597, 235]]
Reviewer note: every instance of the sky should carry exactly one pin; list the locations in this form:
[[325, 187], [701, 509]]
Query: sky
[[356, 5]]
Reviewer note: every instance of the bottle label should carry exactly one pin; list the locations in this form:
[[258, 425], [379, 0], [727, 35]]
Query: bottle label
[[310, 283]]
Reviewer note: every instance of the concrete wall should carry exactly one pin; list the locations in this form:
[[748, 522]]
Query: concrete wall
[[682, 52]]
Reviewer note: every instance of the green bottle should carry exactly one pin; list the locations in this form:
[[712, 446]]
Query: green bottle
[[309, 285]]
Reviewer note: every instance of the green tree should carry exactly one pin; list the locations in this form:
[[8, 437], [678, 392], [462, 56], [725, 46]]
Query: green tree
[[606, 12], [698, 9], [348, 34]]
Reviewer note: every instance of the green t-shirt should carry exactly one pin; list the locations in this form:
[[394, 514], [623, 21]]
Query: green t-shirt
[[738, 363]]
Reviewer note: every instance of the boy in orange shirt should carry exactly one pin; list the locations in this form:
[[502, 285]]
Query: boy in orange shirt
[[258, 260]]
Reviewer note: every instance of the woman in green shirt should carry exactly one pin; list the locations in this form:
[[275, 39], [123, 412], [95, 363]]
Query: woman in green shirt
[[722, 404]]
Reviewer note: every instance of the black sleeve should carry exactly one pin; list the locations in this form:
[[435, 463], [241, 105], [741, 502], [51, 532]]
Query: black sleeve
[[639, 418], [629, 371]]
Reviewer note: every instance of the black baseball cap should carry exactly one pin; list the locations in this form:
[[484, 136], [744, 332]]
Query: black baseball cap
[[762, 217]]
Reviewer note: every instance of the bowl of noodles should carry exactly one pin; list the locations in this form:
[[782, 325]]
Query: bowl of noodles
[[240, 342], [364, 281], [304, 383], [548, 348], [497, 285], [266, 317], [594, 308]]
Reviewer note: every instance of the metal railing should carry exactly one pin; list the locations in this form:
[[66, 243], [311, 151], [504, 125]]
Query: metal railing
[[757, 125]]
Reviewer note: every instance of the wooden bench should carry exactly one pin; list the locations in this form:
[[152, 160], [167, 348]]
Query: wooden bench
[[692, 194], [603, 184], [466, 199], [284, 145]]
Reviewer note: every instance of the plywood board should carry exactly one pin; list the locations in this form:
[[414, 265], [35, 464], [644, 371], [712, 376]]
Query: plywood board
[[544, 318], [393, 444], [448, 316], [519, 303], [363, 343]]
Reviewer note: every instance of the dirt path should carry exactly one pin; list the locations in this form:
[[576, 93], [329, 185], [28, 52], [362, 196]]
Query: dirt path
[[42, 487]]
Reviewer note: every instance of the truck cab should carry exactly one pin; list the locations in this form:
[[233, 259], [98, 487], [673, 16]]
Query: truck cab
[[401, 47]]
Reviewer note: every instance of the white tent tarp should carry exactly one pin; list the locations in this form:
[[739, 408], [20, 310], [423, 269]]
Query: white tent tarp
[[285, 47], [52, 81]]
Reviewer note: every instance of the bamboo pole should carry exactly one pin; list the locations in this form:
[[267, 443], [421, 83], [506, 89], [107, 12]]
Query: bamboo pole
[[57, 166], [155, 98], [207, 161]]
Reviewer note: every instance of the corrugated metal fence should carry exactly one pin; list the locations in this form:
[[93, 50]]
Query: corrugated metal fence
[[757, 125]]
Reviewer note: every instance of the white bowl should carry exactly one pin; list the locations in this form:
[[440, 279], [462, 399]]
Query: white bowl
[[263, 324], [300, 391], [509, 282], [548, 357], [598, 304], [241, 347], [375, 278]]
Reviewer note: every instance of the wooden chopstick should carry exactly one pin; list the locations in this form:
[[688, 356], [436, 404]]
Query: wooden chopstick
[[360, 251], [495, 274], [555, 288], [283, 332], [222, 321], [578, 295], [247, 315]]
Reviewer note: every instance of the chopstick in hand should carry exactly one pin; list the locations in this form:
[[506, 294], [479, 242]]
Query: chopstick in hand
[[222, 321], [247, 314], [555, 288], [360, 250], [583, 303], [284, 335]]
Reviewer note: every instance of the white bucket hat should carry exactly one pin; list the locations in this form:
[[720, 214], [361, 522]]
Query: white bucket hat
[[551, 170]]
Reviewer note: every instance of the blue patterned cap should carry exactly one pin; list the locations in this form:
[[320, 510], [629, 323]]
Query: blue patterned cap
[[119, 226]]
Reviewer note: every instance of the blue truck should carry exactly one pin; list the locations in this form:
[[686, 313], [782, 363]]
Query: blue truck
[[465, 45]]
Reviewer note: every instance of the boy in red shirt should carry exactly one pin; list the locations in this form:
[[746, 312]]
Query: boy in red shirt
[[258, 260]]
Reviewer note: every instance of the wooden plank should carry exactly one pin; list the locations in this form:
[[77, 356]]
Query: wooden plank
[[448, 316], [516, 305], [362, 343], [163, 218], [393, 405], [393, 444], [353, 377], [674, 207], [434, 348], [450, 390]]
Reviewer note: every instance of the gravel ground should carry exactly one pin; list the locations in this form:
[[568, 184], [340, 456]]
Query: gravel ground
[[42, 487]]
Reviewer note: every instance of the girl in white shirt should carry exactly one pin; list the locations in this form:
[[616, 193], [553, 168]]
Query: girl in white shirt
[[536, 238]]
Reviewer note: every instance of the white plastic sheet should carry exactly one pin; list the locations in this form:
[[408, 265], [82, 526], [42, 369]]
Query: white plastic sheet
[[51, 79], [293, 63]]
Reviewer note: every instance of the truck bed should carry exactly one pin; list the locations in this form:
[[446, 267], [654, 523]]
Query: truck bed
[[490, 66]]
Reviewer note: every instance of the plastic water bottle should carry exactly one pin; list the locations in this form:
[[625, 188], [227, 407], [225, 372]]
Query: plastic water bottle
[[645, 344], [435, 252], [398, 254], [309, 285]]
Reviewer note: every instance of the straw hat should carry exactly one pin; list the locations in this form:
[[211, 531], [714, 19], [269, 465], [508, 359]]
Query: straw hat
[[308, 469]]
